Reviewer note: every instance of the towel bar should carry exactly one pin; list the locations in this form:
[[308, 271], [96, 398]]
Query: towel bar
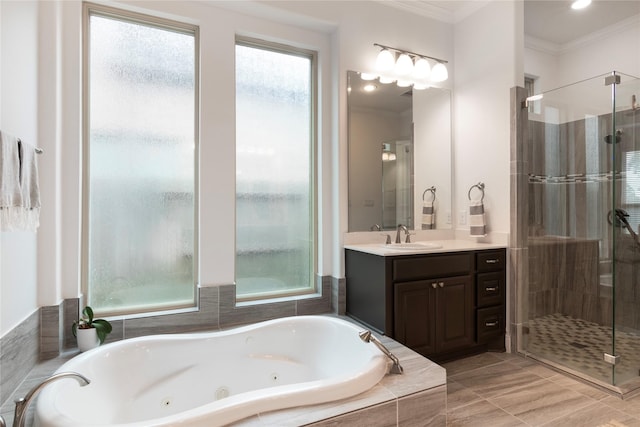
[[432, 189], [479, 186]]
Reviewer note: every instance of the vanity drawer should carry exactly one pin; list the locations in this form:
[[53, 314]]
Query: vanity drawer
[[422, 267], [490, 323], [490, 260], [490, 288]]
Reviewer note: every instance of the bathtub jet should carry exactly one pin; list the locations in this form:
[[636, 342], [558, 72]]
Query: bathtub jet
[[214, 379]]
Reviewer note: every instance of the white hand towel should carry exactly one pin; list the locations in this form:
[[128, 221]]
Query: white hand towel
[[30, 187], [477, 223], [19, 192], [428, 215]]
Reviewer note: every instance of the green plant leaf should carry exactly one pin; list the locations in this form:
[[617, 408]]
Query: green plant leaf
[[88, 313], [103, 328]]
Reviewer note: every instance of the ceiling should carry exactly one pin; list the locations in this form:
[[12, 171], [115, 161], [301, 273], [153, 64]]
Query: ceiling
[[552, 21]]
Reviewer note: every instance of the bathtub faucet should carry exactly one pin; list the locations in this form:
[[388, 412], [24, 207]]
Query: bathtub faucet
[[22, 404], [367, 336]]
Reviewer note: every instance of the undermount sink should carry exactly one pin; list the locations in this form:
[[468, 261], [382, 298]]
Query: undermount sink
[[412, 246]]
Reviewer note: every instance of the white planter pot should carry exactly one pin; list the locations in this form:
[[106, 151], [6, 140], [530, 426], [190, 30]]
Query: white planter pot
[[87, 339]]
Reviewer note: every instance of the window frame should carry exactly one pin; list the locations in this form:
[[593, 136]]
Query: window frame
[[93, 9], [313, 289]]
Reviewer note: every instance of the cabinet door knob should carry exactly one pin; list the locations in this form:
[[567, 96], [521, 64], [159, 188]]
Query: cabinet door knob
[[434, 285], [492, 289], [441, 284]]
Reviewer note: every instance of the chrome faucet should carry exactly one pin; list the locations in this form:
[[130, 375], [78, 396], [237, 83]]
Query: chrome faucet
[[22, 404], [367, 336], [406, 233]]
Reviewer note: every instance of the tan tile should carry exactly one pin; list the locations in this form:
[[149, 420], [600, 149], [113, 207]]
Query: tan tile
[[580, 387], [470, 363], [378, 416], [458, 395], [630, 406], [495, 380], [541, 401], [481, 414], [426, 409], [596, 415]]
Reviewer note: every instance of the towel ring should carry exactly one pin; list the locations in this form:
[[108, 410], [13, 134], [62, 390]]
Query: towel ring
[[479, 186], [432, 189]]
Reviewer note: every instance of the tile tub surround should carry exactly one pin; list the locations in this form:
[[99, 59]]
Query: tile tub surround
[[416, 398], [217, 308], [18, 354]]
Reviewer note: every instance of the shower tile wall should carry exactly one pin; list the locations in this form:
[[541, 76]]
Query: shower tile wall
[[570, 194], [564, 272]]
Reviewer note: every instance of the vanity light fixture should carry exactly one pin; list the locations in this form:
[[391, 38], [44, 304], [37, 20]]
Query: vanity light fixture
[[368, 76], [404, 66], [580, 4], [439, 73]]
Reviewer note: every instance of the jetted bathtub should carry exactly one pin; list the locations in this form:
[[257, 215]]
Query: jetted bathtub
[[213, 379]]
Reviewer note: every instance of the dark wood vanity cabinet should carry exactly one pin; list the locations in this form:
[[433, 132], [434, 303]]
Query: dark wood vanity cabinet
[[443, 305]]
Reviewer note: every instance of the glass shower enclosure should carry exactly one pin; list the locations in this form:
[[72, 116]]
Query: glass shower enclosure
[[578, 306]]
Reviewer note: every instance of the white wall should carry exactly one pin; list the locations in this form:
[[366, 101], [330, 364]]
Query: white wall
[[488, 62], [612, 48], [19, 117], [487, 49]]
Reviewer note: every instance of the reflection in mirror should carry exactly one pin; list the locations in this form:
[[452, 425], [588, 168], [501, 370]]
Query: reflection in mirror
[[397, 183], [399, 146]]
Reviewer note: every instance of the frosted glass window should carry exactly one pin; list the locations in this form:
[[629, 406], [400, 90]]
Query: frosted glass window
[[140, 221], [274, 172]]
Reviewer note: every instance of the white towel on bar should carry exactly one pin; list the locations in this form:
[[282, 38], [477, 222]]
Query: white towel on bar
[[19, 189], [428, 215], [477, 223]]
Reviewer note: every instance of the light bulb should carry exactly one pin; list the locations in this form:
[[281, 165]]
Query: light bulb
[[386, 80], [403, 83], [420, 86], [368, 76], [421, 69], [404, 65], [385, 60], [580, 4], [439, 73]]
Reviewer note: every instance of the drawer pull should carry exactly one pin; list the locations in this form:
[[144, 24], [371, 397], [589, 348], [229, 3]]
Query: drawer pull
[[492, 261], [492, 289], [441, 284], [434, 285], [489, 324]]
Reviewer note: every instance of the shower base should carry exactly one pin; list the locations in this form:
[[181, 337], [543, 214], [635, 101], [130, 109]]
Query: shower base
[[579, 346]]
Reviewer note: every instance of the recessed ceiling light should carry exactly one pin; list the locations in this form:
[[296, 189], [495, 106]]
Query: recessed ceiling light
[[580, 4]]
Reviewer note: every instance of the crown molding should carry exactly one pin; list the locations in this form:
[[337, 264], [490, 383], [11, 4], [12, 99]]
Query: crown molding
[[427, 9], [633, 22]]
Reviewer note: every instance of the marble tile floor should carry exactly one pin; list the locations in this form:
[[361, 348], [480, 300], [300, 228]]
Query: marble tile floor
[[502, 389]]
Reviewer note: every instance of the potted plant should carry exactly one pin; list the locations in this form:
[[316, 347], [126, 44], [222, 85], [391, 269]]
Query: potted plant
[[90, 332]]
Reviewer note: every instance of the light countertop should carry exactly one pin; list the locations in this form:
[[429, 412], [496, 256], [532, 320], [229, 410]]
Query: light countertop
[[453, 245]]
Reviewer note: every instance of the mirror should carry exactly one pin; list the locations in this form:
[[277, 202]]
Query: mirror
[[399, 149]]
